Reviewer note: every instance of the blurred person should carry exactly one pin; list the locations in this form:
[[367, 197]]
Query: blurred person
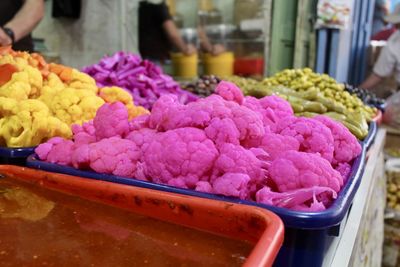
[[380, 12], [389, 58], [384, 34], [17, 19], [206, 45], [158, 34]]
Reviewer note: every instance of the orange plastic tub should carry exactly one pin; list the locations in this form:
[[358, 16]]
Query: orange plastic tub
[[256, 226]]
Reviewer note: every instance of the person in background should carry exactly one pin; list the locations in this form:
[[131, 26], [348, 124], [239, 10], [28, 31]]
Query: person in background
[[17, 20], [381, 10], [389, 58], [158, 33], [384, 34]]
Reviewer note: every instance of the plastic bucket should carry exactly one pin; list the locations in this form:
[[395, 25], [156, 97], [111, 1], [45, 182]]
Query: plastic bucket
[[221, 65], [184, 66]]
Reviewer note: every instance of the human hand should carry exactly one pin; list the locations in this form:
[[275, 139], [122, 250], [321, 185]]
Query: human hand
[[4, 38], [217, 49], [190, 50]]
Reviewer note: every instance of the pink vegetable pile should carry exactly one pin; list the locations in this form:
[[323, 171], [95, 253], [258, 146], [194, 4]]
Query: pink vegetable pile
[[227, 144], [142, 78]]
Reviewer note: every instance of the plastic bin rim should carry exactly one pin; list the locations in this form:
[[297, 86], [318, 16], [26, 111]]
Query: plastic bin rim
[[263, 252], [332, 216]]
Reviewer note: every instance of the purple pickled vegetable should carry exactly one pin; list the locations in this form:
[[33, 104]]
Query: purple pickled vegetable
[[143, 79]]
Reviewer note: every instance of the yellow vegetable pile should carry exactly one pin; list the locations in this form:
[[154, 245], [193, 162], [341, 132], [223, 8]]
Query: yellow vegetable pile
[[39, 100], [310, 94]]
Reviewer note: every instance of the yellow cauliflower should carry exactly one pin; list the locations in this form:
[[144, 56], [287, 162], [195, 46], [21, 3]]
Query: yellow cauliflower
[[74, 106], [35, 80], [28, 123], [80, 80], [114, 94], [18, 87]]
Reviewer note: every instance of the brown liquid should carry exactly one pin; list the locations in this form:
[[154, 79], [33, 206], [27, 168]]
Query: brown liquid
[[40, 227]]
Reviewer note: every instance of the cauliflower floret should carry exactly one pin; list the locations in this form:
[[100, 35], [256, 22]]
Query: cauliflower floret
[[75, 106], [60, 153], [111, 156], [28, 123], [18, 87], [272, 108], [111, 120], [115, 156], [35, 80], [344, 169], [43, 150], [114, 94], [296, 199], [223, 131], [168, 113], [229, 91], [232, 184], [80, 80], [313, 136], [295, 170], [84, 134], [236, 159], [204, 186], [275, 144], [346, 146], [182, 156]]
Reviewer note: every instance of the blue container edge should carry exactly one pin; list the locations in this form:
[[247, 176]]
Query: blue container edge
[[370, 138], [20, 152]]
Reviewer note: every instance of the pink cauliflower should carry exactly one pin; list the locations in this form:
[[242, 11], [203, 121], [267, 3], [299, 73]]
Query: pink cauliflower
[[180, 157], [295, 170], [168, 114], [344, 169], [111, 120], [84, 134], [111, 156], [229, 91], [313, 136], [223, 131], [295, 199], [204, 186], [232, 184], [275, 144], [346, 146], [56, 150], [272, 108], [238, 160], [142, 138], [139, 122]]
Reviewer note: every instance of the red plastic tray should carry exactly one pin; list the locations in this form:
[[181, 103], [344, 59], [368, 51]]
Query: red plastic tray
[[258, 226]]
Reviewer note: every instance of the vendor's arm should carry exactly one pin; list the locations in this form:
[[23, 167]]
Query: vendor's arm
[[371, 82], [384, 67], [24, 21], [206, 45], [176, 39]]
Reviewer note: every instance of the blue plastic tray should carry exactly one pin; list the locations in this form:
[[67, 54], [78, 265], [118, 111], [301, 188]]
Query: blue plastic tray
[[370, 138], [305, 220], [16, 156], [307, 234]]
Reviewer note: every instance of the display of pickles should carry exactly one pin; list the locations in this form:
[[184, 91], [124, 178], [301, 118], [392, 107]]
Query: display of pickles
[[311, 93], [203, 86], [393, 189]]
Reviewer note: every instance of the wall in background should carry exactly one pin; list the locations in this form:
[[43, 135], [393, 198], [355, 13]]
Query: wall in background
[[103, 28]]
